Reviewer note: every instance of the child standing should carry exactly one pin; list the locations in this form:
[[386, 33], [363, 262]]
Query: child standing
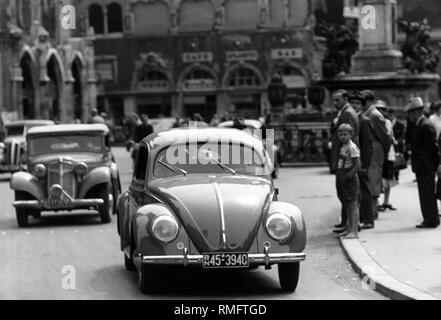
[[347, 182]]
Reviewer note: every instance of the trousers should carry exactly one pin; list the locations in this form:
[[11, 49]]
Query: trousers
[[366, 200], [426, 192]]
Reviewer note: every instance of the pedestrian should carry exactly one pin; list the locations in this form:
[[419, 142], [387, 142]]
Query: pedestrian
[[366, 141], [95, 117], [381, 146], [109, 123], [346, 115], [347, 184], [388, 167], [425, 160], [399, 139], [142, 130], [435, 118]]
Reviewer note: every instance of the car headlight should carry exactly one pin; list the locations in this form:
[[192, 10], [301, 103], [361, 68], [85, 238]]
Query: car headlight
[[81, 169], [279, 226], [56, 190], [40, 170], [165, 228]]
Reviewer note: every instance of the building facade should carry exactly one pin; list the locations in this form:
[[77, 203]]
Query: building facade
[[46, 72], [180, 57]]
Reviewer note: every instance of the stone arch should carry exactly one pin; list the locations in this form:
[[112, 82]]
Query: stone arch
[[54, 88], [290, 65], [152, 17], [194, 67], [236, 20], [29, 84], [77, 67], [229, 72]]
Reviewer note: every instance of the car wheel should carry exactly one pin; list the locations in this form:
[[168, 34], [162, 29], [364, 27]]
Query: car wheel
[[128, 263], [289, 276], [145, 279], [105, 210], [22, 213]]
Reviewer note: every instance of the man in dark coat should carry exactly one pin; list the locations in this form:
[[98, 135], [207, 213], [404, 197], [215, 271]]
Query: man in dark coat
[[144, 129], [425, 162], [381, 146], [346, 115], [366, 140]]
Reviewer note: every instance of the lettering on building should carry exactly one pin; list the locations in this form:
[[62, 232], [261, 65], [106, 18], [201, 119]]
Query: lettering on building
[[286, 53], [190, 57], [248, 55], [199, 85]]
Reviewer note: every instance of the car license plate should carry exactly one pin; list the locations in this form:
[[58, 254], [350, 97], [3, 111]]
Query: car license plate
[[225, 260]]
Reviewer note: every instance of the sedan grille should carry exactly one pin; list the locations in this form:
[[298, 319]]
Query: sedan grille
[[62, 173], [11, 153]]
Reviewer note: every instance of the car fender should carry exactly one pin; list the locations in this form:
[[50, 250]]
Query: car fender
[[114, 171], [24, 181], [123, 218], [146, 243], [294, 244], [95, 177]]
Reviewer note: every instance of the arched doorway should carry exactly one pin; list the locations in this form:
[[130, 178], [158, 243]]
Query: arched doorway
[[198, 85], [53, 90], [28, 88], [77, 88]]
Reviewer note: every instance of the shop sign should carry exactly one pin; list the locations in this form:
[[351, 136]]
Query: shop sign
[[286, 53], [242, 55], [294, 81], [106, 69], [190, 57], [153, 85], [199, 85]]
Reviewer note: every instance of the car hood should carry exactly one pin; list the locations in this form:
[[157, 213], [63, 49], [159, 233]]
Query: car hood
[[219, 212], [77, 157]]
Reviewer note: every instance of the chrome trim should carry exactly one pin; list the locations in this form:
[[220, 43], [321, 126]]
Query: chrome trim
[[253, 258], [220, 201], [44, 205]]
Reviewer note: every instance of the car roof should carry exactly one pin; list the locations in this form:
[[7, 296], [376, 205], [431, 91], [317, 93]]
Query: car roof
[[67, 128], [248, 122], [163, 139], [29, 122]]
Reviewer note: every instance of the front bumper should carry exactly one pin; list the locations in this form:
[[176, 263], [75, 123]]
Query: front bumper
[[260, 259], [46, 205]]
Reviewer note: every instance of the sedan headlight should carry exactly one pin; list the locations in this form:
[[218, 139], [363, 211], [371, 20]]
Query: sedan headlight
[[40, 170], [165, 228], [81, 169], [279, 226]]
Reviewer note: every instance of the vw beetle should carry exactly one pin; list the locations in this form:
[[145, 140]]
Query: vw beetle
[[13, 148], [205, 198], [69, 167]]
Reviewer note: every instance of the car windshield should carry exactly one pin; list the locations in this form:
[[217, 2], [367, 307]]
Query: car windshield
[[227, 158], [66, 143], [16, 130]]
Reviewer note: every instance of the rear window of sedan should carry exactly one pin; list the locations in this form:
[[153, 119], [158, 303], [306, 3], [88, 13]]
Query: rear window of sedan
[[209, 158]]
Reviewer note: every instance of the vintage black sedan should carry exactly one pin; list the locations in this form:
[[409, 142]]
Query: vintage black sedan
[[205, 198], [69, 167]]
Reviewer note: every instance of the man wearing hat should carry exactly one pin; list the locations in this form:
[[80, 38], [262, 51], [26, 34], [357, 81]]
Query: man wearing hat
[[425, 161]]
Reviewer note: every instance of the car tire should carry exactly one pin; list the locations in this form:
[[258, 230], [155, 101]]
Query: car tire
[[145, 279], [289, 276], [105, 210], [22, 213], [128, 263]]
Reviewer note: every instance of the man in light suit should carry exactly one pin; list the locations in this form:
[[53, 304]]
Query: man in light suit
[[381, 146], [346, 115], [425, 162]]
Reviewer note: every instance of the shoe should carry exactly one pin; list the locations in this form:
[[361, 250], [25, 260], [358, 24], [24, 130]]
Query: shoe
[[339, 230], [390, 207], [426, 226], [381, 208], [366, 226], [339, 226]]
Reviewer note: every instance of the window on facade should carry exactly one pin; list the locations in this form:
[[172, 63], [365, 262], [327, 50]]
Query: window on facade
[[277, 12], [24, 14], [417, 10], [152, 75], [196, 15], [114, 18], [243, 77], [299, 12], [151, 18], [48, 15], [199, 74], [96, 18], [235, 17]]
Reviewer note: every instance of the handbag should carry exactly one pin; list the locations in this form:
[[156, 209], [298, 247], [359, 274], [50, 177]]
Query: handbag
[[400, 162]]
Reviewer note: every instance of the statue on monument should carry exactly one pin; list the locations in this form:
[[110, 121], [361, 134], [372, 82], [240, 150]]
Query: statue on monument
[[341, 46], [419, 56]]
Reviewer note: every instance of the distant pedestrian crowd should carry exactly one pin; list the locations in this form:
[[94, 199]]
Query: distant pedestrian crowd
[[369, 147]]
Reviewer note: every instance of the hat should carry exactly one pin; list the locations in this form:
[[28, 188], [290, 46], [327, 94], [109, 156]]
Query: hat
[[415, 103], [380, 104]]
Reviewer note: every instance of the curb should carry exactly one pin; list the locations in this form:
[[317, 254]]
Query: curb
[[367, 268]]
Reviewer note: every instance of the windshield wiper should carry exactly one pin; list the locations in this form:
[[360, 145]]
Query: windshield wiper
[[223, 166], [172, 168]]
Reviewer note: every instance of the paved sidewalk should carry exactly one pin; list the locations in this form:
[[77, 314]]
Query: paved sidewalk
[[405, 262]]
